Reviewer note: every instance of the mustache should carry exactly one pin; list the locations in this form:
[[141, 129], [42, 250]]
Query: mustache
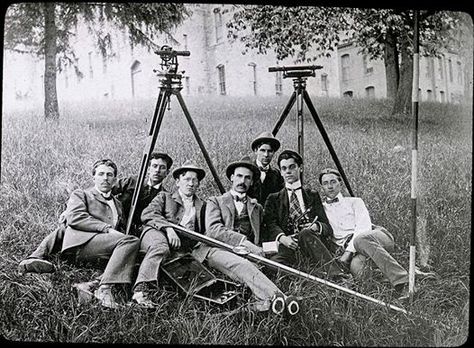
[[242, 185]]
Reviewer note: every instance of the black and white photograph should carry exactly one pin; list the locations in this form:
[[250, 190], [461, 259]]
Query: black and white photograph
[[236, 174]]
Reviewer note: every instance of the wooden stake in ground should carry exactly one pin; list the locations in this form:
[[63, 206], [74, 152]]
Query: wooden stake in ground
[[414, 153]]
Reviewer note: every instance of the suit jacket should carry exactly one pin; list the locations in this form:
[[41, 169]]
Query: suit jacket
[[168, 207], [123, 190], [88, 214], [277, 212], [273, 183], [220, 217]]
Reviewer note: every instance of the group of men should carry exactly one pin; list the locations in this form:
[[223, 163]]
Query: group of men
[[263, 205]]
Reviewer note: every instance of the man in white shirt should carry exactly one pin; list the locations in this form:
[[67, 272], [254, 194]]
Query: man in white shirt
[[355, 236]]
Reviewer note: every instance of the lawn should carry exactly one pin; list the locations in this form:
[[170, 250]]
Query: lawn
[[42, 163]]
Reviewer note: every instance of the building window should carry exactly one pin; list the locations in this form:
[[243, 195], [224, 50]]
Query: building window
[[218, 24], [370, 92], [442, 97], [253, 66], [428, 67], [279, 83], [185, 41], [134, 70], [345, 64], [324, 82], [221, 75], [450, 70], [368, 69], [440, 68], [347, 94], [459, 72], [91, 71], [429, 94]]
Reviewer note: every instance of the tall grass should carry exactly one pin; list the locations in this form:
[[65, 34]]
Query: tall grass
[[42, 162]]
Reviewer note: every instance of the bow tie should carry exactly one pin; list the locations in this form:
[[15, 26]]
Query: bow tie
[[293, 189], [264, 169], [329, 201], [108, 198], [240, 199]]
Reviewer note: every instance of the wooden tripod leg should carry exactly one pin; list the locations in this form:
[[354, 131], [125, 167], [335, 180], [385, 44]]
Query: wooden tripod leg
[[284, 114]]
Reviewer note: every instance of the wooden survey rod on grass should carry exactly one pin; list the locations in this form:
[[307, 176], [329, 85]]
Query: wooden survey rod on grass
[[241, 251]]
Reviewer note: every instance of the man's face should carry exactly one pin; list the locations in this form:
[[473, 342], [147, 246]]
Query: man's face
[[331, 185], [290, 170], [104, 178], [157, 171], [264, 154], [188, 183], [241, 179]]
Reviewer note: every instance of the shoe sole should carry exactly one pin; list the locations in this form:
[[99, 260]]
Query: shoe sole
[[35, 266]]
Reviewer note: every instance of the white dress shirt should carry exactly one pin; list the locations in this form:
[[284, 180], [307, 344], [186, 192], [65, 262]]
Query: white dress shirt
[[349, 216], [157, 186], [262, 173], [299, 193], [112, 206], [238, 205], [189, 209]]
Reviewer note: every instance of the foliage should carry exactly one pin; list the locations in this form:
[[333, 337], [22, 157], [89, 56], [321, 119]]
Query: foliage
[[42, 164], [308, 32]]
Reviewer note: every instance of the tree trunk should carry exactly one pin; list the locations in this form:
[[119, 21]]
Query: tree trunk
[[51, 110], [392, 71], [402, 103]]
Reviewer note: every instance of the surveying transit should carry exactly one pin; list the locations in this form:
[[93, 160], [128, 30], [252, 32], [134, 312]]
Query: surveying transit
[[299, 74]]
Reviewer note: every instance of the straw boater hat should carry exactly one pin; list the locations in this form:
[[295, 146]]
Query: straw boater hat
[[189, 165], [266, 138], [244, 162]]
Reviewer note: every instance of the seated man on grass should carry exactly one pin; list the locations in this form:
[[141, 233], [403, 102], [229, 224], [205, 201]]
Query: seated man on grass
[[356, 239], [158, 169]]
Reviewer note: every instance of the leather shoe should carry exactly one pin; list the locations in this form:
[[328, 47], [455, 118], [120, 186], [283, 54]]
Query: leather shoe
[[105, 297], [35, 266]]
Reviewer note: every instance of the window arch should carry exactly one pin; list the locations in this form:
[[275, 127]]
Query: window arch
[[370, 92]]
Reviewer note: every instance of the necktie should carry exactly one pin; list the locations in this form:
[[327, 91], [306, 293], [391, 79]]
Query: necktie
[[295, 209], [264, 169], [240, 199], [329, 201], [108, 198]]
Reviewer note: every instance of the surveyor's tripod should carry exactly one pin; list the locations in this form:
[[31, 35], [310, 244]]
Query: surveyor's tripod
[[170, 85], [299, 74]]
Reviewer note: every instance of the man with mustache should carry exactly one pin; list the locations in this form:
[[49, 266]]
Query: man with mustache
[[236, 219], [294, 217], [269, 181], [158, 169], [94, 230], [182, 207]]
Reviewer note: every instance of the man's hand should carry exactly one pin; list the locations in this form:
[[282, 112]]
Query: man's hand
[[173, 238], [289, 242], [253, 248], [346, 257]]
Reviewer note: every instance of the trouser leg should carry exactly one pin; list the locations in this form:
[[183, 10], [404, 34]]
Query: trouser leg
[[312, 247], [242, 271], [50, 245], [122, 250], [156, 248], [375, 244]]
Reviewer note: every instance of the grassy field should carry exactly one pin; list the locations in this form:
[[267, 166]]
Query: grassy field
[[42, 163]]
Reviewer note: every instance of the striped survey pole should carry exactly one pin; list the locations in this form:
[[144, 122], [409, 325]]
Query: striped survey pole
[[414, 154]]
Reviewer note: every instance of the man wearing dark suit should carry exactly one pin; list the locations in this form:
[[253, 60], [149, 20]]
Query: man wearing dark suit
[[182, 207], [158, 169], [270, 179], [295, 218], [94, 221], [236, 219]]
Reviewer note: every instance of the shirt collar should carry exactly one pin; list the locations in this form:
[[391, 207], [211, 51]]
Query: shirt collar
[[106, 195], [185, 198], [157, 186], [235, 193], [260, 165], [338, 196], [294, 185]]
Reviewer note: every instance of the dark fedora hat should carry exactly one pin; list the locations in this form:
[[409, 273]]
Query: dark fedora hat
[[285, 154], [189, 166], [243, 162], [328, 171], [266, 138]]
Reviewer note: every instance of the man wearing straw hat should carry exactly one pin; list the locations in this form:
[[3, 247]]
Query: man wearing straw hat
[[264, 146], [182, 207], [235, 219]]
